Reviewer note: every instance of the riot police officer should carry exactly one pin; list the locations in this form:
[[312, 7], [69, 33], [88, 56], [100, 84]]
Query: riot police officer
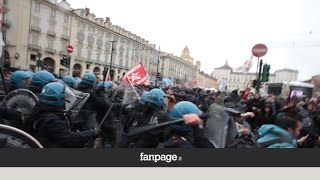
[[154, 112], [87, 115], [51, 125], [20, 80], [40, 79], [182, 135], [108, 127], [69, 80]]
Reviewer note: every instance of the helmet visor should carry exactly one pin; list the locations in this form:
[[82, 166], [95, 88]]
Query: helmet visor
[[26, 83], [70, 98], [165, 102]]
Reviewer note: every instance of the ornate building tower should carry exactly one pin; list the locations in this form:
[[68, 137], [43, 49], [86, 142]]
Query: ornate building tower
[[186, 55]]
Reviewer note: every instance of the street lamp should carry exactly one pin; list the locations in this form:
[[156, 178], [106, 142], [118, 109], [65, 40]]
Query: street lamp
[[156, 82], [110, 65]]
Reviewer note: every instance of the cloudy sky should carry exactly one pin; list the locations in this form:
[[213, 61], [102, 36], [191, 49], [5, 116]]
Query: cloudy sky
[[216, 31]]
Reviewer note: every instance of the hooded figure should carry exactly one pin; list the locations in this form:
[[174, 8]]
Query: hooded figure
[[287, 127]]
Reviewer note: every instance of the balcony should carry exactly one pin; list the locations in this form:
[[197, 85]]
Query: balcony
[[50, 50], [6, 23], [34, 47], [35, 29], [65, 37], [63, 53], [8, 43], [98, 62], [51, 33], [78, 59]]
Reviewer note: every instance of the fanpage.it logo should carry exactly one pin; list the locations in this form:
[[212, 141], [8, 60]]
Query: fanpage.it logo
[[168, 158]]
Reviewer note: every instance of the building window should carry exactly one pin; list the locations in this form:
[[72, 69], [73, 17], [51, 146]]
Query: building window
[[53, 13], [98, 57], [88, 66], [36, 6], [108, 35], [106, 58], [63, 46], [89, 54], [35, 40], [121, 50], [66, 19], [79, 51], [99, 42], [121, 62], [121, 40], [115, 37], [51, 27], [107, 46], [50, 43], [65, 31], [90, 40], [80, 37], [33, 57], [35, 22]]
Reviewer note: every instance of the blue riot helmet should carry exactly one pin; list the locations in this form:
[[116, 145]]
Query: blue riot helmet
[[89, 78], [157, 97], [77, 81], [57, 94], [106, 84], [20, 80], [179, 110], [69, 80], [143, 98], [40, 79], [53, 94], [30, 72]]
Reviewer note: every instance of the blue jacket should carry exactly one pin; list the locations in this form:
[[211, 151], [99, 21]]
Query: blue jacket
[[269, 132]]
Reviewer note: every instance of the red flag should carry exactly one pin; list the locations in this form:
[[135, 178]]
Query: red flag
[[136, 75], [246, 91], [108, 75]]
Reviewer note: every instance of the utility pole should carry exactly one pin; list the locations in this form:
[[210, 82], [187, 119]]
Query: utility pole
[[259, 76], [156, 82], [110, 65]]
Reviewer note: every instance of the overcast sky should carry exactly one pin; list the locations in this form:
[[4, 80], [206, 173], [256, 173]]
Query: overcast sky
[[220, 30]]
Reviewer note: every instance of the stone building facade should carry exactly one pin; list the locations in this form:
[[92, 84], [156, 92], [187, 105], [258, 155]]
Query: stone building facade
[[236, 80]]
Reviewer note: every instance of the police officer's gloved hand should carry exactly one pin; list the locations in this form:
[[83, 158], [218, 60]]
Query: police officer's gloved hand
[[96, 132]]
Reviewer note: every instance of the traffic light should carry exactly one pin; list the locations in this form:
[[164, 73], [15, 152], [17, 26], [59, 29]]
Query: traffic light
[[265, 73], [254, 83], [159, 76], [39, 63], [65, 61]]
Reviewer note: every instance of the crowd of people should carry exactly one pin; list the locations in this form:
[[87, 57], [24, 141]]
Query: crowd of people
[[107, 116]]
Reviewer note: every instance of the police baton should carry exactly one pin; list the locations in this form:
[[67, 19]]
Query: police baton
[[139, 130], [105, 116]]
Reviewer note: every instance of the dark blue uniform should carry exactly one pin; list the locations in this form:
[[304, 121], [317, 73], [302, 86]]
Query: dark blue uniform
[[52, 128], [151, 115]]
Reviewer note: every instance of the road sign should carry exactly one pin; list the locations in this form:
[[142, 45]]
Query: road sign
[[259, 50], [69, 49]]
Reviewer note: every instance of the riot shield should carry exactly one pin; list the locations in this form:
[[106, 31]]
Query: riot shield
[[220, 127], [11, 137], [74, 102], [21, 100]]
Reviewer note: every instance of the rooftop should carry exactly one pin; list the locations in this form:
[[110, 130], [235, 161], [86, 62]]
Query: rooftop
[[225, 66]]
